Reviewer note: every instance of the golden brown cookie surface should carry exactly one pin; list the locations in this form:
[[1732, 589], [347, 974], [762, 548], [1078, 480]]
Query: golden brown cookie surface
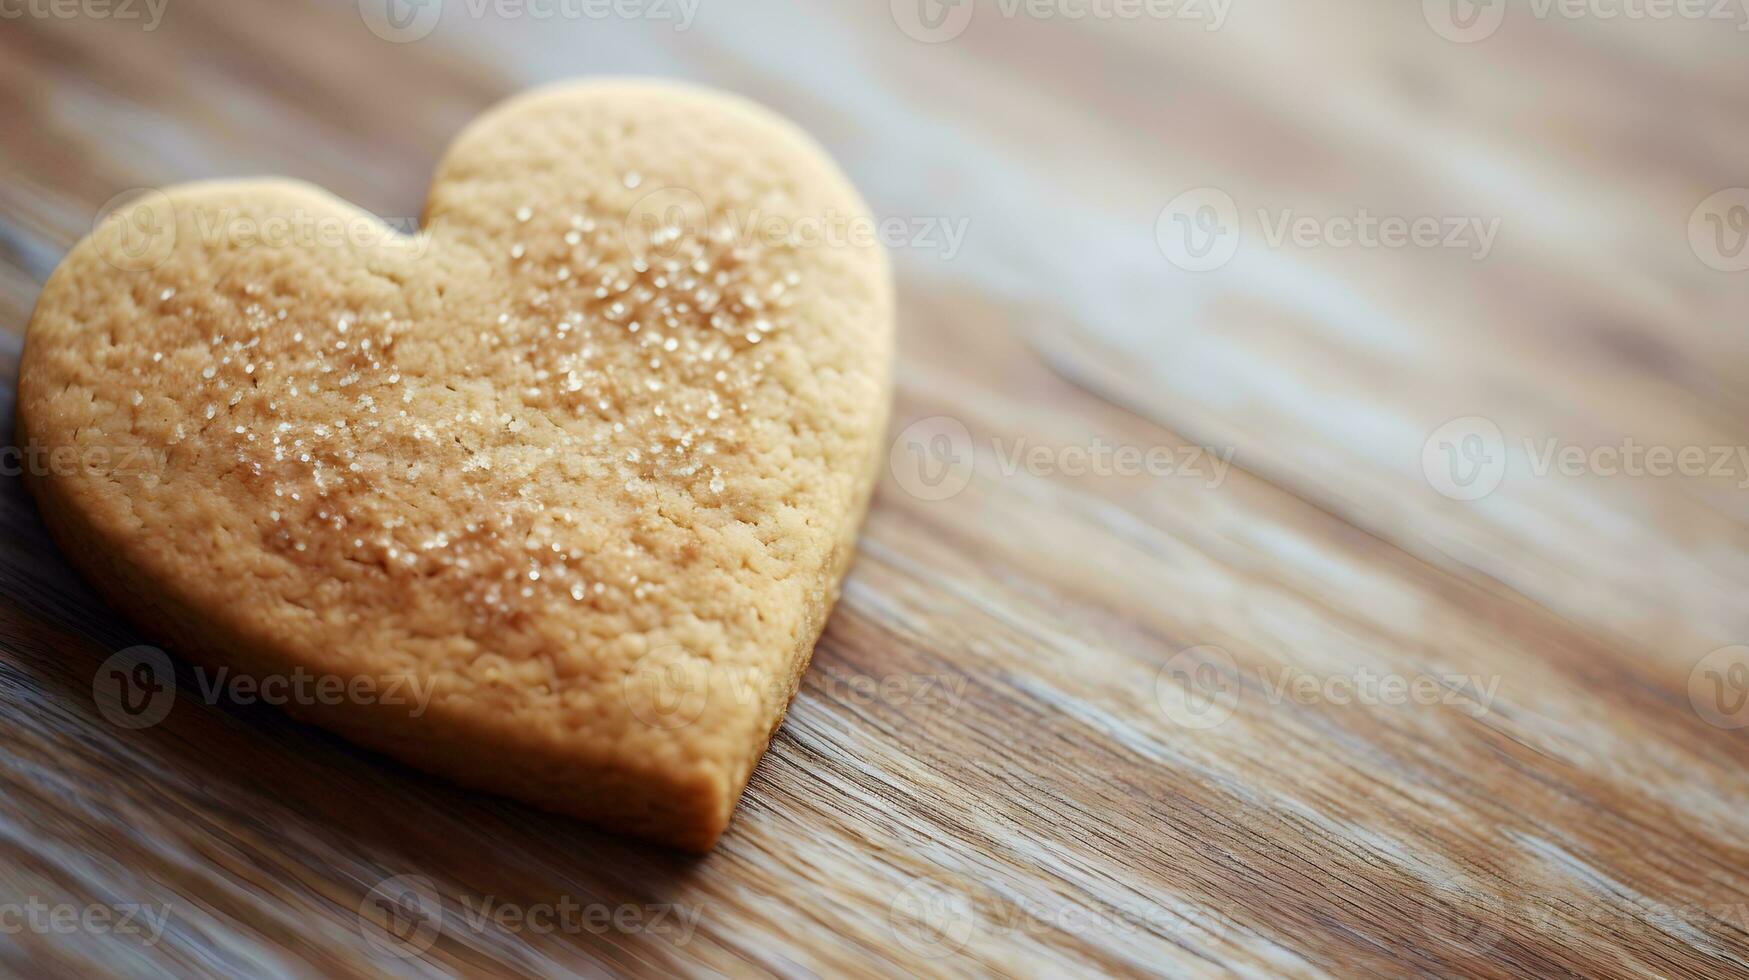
[[584, 460]]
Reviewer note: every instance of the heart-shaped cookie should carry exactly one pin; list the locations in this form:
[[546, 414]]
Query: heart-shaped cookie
[[582, 460]]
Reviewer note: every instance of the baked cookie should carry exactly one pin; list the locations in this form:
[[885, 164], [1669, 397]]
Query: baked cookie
[[577, 468]]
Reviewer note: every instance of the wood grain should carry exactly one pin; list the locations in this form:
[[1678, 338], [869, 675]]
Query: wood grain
[[988, 769]]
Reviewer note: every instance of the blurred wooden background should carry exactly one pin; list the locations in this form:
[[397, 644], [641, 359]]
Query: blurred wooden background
[[1046, 730]]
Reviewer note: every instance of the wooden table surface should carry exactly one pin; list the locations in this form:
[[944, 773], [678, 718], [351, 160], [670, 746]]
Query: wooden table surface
[[1441, 675]]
